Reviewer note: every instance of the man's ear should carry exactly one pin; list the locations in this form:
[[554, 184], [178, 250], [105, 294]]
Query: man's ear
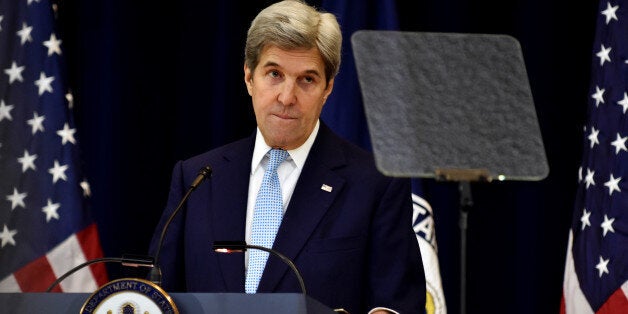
[[248, 79], [330, 87]]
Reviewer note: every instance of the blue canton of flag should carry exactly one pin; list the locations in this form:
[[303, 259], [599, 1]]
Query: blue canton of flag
[[596, 268], [45, 229]]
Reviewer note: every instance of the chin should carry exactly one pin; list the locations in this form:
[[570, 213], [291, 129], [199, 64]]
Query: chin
[[285, 143]]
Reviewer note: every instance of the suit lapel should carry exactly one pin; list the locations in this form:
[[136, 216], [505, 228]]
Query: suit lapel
[[317, 187], [229, 198]]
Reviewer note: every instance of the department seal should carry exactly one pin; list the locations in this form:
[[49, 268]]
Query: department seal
[[129, 296]]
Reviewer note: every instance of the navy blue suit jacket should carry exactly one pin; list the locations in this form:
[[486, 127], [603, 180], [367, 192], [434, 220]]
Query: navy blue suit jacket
[[354, 245]]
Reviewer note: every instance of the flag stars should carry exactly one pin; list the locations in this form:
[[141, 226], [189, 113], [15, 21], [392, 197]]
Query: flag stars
[[51, 210], [17, 199], [27, 161], [53, 44], [610, 12], [607, 225], [603, 54], [44, 83], [7, 236], [36, 123], [613, 184], [620, 144], [25, 33], [14, 73], [602, 266], [67, 134], [585, 219], [5, 111], [87, 192], [598, 96], [624, 102], [589, 178], [593, 137], [70, 100], [58, 172]]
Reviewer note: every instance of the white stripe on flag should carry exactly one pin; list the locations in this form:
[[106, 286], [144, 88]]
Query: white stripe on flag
[[9, 284], [575, 301], [65, 256]]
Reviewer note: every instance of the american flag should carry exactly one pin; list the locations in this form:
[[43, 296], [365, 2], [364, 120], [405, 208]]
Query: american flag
[[45, 228], [596, 268]]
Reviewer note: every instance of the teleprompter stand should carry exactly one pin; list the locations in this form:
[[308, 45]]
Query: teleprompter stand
[[453, 107]]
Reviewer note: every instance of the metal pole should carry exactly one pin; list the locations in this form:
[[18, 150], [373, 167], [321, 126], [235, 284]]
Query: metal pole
[[466, 202]]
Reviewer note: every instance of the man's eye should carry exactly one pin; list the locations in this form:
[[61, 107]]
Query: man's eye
[[308, 79], [274, 73]]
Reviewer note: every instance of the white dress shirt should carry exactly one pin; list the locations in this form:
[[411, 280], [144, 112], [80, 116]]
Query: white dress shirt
[[288, 172]]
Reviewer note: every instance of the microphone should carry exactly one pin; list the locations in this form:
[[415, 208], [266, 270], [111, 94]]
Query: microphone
[[135, 261], [155, 272], [241, 246]]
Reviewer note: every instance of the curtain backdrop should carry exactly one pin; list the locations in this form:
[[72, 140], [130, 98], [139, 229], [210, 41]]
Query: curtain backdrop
[[158, 81]]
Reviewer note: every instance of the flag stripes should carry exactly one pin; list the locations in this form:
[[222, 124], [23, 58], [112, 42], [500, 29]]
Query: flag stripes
[[39, 274]]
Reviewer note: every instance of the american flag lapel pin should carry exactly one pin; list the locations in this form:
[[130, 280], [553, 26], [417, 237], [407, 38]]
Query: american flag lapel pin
[[326, 188]]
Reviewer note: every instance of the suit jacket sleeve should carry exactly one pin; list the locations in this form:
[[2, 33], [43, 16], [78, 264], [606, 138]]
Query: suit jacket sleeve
[[396, 276]]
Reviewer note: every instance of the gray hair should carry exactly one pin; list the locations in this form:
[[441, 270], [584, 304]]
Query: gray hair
[[292, 24]]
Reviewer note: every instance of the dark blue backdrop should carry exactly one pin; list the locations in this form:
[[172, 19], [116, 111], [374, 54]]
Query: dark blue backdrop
[[157, 81]]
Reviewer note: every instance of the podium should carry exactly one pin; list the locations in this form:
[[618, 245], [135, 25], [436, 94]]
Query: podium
[[236, 303]]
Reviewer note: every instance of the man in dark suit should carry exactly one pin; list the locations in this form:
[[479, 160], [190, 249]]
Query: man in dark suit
[[345, 225]]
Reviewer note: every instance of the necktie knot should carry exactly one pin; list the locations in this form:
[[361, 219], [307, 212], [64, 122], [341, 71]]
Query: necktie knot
[[277, 156]]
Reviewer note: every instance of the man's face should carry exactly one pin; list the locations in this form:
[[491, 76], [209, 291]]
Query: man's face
[[288, 90]]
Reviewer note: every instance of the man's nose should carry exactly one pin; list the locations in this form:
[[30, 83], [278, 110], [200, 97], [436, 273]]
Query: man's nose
[[287, 95]]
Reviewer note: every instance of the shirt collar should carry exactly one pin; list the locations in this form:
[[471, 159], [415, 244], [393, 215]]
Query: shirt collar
[[298, 155]]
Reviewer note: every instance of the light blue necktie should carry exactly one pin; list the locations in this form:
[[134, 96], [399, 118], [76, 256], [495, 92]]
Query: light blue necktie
[[266, 219]]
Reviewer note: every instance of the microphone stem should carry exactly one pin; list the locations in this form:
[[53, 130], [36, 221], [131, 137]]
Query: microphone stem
[[286, 260], [76, 268], [167, 225], [155, 272]]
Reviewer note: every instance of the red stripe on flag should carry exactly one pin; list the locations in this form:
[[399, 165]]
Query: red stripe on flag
[[616, 303], [562, 304], [90, 244], [36, 276]]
